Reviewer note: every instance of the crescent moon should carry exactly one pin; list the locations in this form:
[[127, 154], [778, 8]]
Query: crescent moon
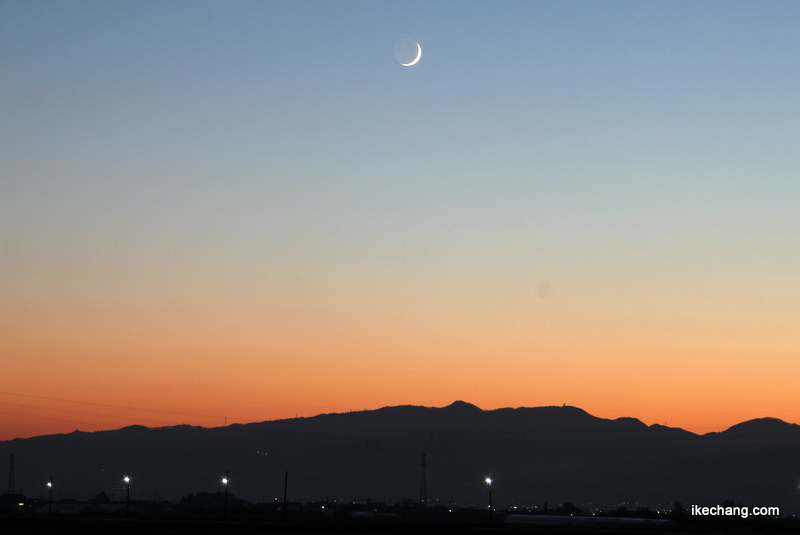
[[419, 55]]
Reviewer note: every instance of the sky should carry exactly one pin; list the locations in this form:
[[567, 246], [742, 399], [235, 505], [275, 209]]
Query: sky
[[228, 212]]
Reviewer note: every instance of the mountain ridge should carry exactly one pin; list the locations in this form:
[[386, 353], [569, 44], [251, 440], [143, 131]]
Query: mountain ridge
[[457, 407], [535, 454]]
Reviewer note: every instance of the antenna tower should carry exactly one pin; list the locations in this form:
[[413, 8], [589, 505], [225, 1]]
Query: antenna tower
[[423, 484]]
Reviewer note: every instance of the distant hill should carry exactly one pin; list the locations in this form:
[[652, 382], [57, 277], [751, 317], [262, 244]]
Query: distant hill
[[552, 454]]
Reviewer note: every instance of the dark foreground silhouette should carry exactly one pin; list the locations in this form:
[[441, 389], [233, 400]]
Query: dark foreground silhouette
[[556, 455], [470, 522]]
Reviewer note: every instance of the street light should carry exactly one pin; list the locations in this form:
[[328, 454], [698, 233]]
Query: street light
[[50, 486], [127, 496], [225, 505], [489, 482]]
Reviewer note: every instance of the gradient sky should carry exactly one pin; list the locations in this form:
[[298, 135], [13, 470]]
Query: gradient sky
[[251, 211]]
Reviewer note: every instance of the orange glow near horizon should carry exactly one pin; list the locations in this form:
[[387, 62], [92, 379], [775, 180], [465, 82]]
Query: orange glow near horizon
[[67, 410], [195, 378], [93, 370]]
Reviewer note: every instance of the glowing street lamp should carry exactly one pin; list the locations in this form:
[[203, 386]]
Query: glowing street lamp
[[128, 496], [50, 486], [225, 505], [489, 483]]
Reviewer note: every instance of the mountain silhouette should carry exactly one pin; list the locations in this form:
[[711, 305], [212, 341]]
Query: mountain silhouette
[[533, 455]]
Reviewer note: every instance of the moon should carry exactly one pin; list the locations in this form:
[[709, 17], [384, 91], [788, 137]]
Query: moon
[[414, 62], [407, 52]]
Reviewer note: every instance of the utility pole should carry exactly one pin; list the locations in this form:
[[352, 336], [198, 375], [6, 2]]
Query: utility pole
[[285, 487], [423, 484], [489, 482], [127, 496]]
